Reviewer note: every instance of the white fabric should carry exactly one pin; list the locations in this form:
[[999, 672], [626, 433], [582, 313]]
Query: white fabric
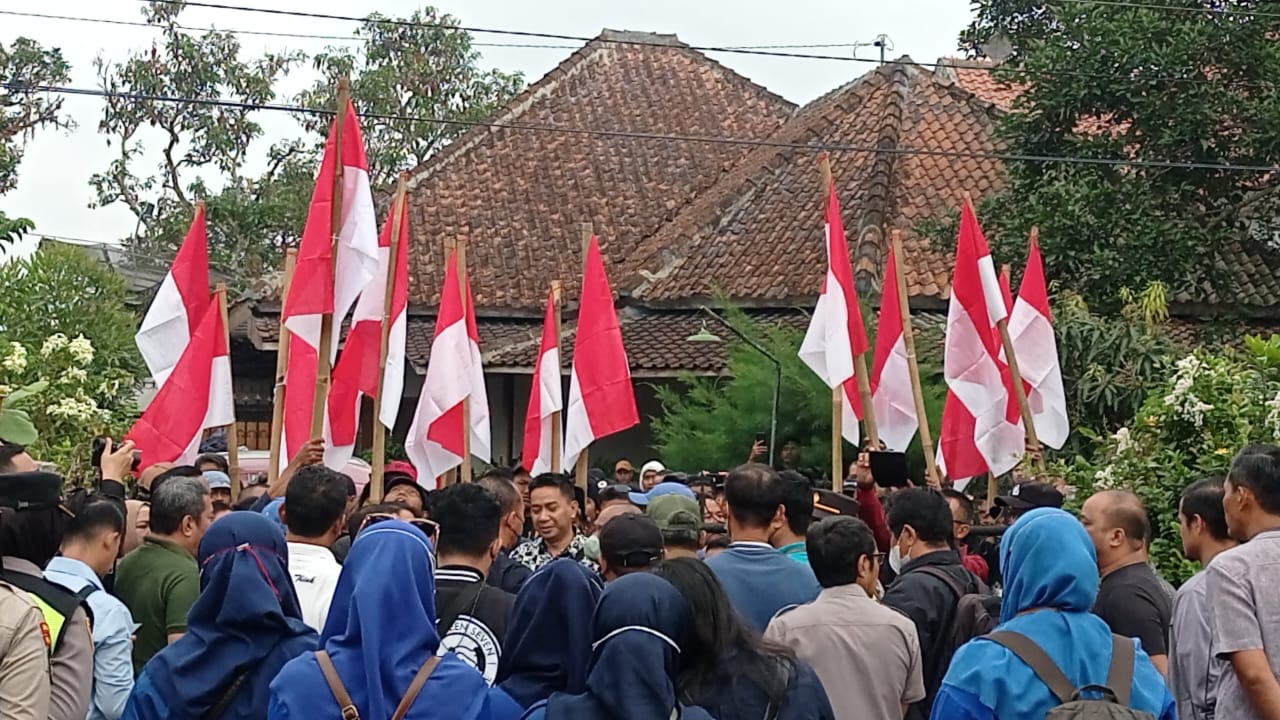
[[315, 574], [1037, 351], [447, 384], [894, 403], [165, 331], [827, 348], [550, 401], [848, 418], [578, 434], [478, 396]]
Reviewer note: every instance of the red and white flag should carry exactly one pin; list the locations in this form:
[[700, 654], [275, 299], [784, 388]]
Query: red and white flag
[[1031, 330], [179, 304], [356, 374], [319, 287], [981, 425], [836, 332], [545, 398], [891, 393], [602, 400], [196, 395], [437, 438]]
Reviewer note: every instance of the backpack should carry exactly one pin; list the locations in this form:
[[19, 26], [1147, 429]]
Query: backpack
[[976, 613], [1114, 703]]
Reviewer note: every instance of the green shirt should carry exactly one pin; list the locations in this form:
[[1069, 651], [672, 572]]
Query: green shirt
[[159, 583], [796, 551]]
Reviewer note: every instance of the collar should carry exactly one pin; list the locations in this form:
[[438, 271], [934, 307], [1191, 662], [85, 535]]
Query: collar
[[168, 545], [311, 552], [75, 568], [751, 545], [932, 558], [850, 593], [575, 549], [459, 573], [18, 565], [794, 547]]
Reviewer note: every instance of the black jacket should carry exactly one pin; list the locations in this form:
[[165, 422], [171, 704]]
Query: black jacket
[[508, 574], [931, 605], [472, 617]]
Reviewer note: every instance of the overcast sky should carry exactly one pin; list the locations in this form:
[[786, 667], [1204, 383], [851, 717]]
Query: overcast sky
[[54, 190]]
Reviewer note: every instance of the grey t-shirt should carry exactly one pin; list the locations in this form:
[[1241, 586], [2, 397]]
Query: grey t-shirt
[[1244, 583], [1193, 670]]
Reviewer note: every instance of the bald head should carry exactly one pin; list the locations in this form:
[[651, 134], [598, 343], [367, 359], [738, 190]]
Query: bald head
[[614, 511], [1117, 524], [1125, 511]]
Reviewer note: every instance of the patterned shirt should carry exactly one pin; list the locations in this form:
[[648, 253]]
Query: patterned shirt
[[534, 553]]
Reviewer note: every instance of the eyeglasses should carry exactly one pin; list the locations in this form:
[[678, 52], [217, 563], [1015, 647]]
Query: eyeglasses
[[880, 557], [428, 527]]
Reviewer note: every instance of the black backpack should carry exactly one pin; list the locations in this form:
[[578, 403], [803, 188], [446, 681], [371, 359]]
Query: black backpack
[[976, 613]]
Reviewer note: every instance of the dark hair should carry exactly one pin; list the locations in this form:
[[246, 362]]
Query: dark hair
[[33, 535], [315, 500], [720, 635], [966, 503], [357, 518], [218, 460], [93, 514], [245, 503], [181, 471], [926, 511], [498, 472], [174, 500], [754, 492], [1257, 467], [717, 540], [1203, 498], [797, 500], [504, 489], [555, 480], [221, 507], [1126, 511], [835, 545], [9, 451], [469, 517]]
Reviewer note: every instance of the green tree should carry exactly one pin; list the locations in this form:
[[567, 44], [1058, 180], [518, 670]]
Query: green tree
[[1121, 81]]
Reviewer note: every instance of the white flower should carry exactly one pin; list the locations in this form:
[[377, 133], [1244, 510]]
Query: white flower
[[80, 409], [16, 360], [1123, 440], [1104, 479], [81, 350], [53, 344], [74, 376], [1273, 415]]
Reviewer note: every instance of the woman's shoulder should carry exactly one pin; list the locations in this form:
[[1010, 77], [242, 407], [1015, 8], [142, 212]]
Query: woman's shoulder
[[298, 670]]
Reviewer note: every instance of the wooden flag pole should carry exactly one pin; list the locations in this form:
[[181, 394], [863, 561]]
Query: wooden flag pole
[[993, 489], [837, 401], [376, 481], [557, 429], [464, 472], [1028, 422], [233, 439], [282, 365], [934, 477], [324, 366], [583, 459]]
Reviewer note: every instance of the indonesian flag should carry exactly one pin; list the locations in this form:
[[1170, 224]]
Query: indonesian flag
[[891, 393], [178, 307], [1006, 296], [1031, 330], [602, 400], [981, 426], [836, 332], [356, 374], [196, 395], [318, 287], [544, 398], [436, 443]]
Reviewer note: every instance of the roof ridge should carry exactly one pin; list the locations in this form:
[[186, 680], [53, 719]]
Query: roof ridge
[[870, 243]]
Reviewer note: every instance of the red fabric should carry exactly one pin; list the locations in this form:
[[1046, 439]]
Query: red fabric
[[599, 357], [449, 430], [842, 269], [533, 416], [890, 327], [871, 510], [974, 564], [190, 270]]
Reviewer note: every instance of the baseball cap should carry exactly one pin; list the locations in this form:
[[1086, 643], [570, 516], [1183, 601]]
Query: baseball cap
[[669, 488], [631, 541], [623, 465], [827, 503], [618, 491], [1028, 496], [217, 479], [675, 512], [400, 468], [654, 466]]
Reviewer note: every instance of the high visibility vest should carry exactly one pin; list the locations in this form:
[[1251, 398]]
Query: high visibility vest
[[57, 604]]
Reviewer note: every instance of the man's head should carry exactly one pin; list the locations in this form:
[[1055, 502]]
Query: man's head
[[356, 521], [920, 521], [14, 459], [469, 517], [219, 485], [1252, 501], [512, 502], [713, 510], [253, 491], [553, 506], [680, 521], [95, 534], [651, 474], [523, 480], [149, 476], [623, 472], [1118, 526], [616, 494], [789, 455], [315, 505], [842, 551], [797, 500], [1024, 498], [34, 520], [1202, 520], [629, 543], [213, 461], [755, 498], [181, 511], [402, 486], [962, 513], [177, 471]]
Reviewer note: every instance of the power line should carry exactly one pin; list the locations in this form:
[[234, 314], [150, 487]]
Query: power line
[[705, 139], [1176, 8]]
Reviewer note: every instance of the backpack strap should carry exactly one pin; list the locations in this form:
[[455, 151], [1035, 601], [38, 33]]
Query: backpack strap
[[415, 687], [1120, 678], [1041, 664], [349, 711], [944, 576]]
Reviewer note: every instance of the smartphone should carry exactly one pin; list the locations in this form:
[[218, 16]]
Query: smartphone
[[889, 468], [761, 437]]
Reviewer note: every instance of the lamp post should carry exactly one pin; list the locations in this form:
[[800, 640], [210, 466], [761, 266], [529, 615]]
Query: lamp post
[[706, 336]]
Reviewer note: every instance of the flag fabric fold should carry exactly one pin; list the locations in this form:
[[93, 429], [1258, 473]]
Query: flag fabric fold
[[602, 400], [836, 331], [1031, 331], [179, 304], [545, 399], [478, 393], [891, 391]]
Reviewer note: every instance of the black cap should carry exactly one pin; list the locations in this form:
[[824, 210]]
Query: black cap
[[30, 490], [827, 503], [1028, 496], [631, 541]]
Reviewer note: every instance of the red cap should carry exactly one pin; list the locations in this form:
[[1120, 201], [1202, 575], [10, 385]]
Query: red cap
[[401, 467]]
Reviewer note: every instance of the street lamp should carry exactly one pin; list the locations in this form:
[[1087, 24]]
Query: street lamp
[[704, 335]]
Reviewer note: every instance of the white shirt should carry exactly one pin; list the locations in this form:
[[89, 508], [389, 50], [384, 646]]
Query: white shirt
[[315, 574]]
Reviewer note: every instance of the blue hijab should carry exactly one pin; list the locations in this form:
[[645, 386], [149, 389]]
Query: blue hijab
[[548, 644], [1049, 565], [381, 629], [639, 624], [247, 618]]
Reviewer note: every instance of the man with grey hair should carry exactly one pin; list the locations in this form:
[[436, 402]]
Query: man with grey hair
[[160, 580]]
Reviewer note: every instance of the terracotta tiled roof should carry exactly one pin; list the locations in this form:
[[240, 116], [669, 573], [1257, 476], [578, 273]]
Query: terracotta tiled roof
[[757, 235], [518, 197], [975, 76]]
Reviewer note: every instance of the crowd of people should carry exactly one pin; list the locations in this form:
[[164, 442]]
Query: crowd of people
[[643, 596]]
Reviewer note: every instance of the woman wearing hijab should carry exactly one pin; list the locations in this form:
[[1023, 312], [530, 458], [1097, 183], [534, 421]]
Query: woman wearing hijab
[[1050, 571], [243, 628], [728, 669], [548, 644], [380, 633], [639, 627]]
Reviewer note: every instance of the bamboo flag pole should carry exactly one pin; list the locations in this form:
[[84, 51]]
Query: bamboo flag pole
[[583, 460], [557, 430], [379, 430], [464, 282], [909, 340], [1028, 422], [233, 439], [282, 365], [324, 366]]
